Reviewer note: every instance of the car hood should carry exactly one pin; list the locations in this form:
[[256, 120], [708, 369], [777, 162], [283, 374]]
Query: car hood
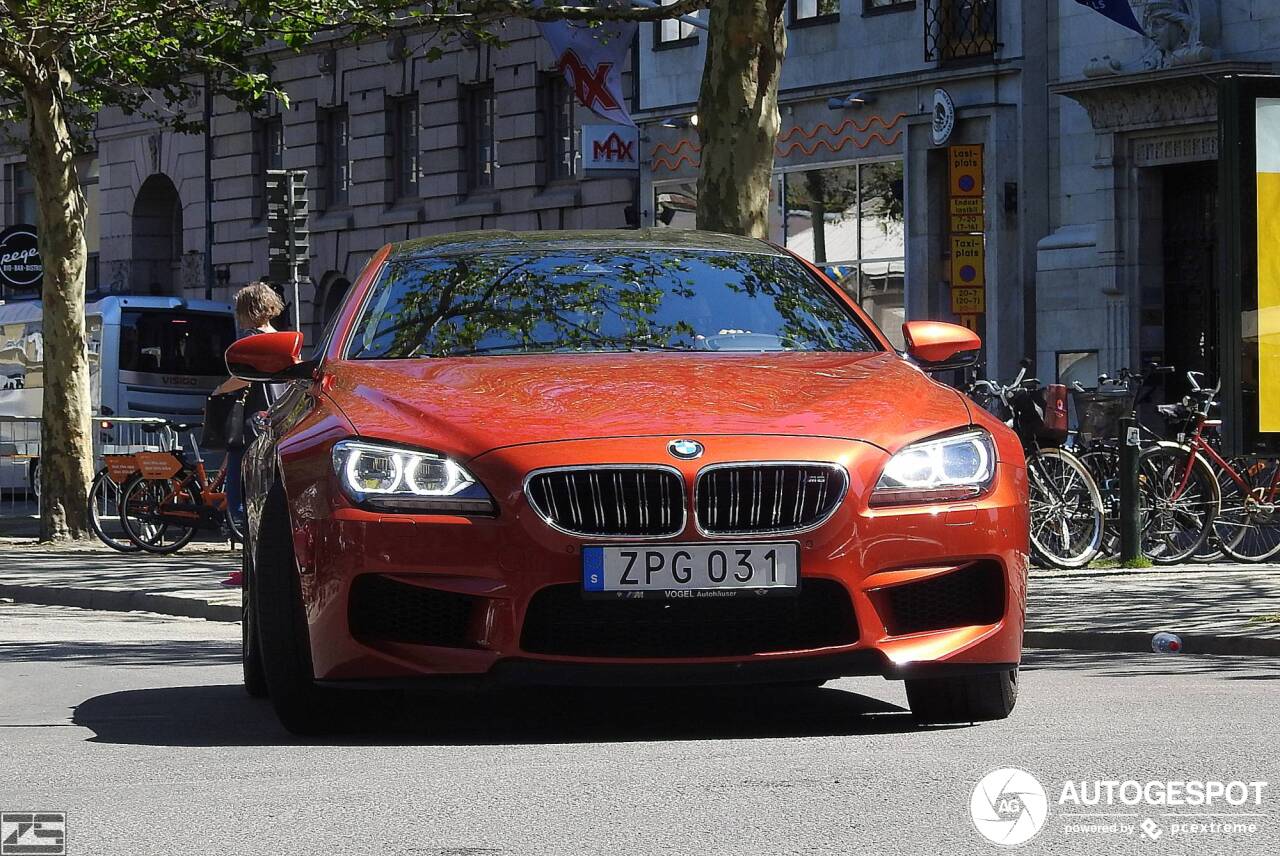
[[465, 406]]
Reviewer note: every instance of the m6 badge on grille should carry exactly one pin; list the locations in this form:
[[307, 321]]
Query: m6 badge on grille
[[675, 571]]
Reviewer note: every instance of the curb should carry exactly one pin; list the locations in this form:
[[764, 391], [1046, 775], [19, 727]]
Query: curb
[[118, 600], [1137, 642]]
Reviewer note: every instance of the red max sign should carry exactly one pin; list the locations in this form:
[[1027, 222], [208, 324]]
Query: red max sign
[[609, 147]]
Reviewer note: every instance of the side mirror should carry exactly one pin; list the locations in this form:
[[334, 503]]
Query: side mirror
[[936, 346], [267, 357]]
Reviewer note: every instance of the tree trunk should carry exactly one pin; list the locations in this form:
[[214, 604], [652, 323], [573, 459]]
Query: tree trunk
[[738, 114], [66, 449]]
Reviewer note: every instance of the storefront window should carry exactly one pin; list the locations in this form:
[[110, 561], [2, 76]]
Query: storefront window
[[849, 220]]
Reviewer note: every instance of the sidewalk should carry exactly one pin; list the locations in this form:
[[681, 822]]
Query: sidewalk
[[1217, 609]]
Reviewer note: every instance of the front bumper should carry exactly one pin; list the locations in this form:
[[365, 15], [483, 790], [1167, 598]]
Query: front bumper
[[481, 576]]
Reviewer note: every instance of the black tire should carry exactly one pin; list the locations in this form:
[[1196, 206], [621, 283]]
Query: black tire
[[255, 678], [1173, 530], [964, 698], [283, 641], [1068, 517], [139, 499], [104, 513]]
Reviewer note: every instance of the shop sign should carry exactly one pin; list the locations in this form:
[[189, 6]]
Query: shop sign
[[944, 117], [20, 265], [608, 148]]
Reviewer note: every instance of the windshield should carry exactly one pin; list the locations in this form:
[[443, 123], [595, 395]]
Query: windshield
[[175, 343], [601, 300]]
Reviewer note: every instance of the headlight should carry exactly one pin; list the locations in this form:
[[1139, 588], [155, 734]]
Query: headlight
[[407, 480], [959, 466]]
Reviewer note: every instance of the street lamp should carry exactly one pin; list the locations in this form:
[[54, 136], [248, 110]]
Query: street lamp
[[680, 121], [853, 99]]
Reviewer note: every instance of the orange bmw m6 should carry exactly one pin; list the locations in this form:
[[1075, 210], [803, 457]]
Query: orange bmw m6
[[624, 458]]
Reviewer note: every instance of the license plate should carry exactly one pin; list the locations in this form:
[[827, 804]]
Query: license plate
[[690, 570]]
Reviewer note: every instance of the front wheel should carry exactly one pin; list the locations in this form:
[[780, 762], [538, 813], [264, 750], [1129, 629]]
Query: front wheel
[[255, 680], [1179, 498], [282, 635], [1068, 518], [143, 514], [1248, 520], [104, 513], [964, 698]]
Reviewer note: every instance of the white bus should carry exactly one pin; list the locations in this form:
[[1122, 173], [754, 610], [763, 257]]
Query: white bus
[[148, 356]]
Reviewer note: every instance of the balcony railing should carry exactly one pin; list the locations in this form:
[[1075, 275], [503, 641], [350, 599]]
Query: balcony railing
[[960, 29]]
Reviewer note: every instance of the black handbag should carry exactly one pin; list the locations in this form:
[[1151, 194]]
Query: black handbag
[[224, 421]]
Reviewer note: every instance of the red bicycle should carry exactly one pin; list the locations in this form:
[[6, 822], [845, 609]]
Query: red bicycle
[[1244, 518]]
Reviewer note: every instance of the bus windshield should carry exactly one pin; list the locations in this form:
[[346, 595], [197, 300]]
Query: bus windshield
[[173, 342]]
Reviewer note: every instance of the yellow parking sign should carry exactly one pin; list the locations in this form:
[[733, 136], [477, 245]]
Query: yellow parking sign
[[968, 261], [967, 214], [966, 170], [968, 301]]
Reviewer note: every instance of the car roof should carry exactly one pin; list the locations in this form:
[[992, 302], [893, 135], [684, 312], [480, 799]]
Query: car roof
[[487, 241]]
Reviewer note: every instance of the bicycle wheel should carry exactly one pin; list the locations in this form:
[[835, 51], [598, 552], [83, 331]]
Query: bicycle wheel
[[1177, 505], [104, 513], [142, 507], [1248, 521], [1067, 515], [1104, 465]]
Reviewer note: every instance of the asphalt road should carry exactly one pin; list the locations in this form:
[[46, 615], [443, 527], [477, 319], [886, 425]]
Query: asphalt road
[[136, 727]]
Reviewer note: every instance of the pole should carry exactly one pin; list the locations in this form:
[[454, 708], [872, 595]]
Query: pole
[[208, 188], [293, 252], [1130, 522]]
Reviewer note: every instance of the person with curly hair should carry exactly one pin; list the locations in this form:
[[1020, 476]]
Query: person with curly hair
[[256, 306]]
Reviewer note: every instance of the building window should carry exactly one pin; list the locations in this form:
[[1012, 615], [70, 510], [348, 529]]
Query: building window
[[960, 29], [672, 32], [406, 157], [875, 7], [849, 221], [270, 150], [335, 137], [22, 195], [558, 128], [482, 162], [814, 11]]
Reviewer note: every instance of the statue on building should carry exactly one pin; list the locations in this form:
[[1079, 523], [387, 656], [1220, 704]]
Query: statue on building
[[1174, 37], [1173, 28]]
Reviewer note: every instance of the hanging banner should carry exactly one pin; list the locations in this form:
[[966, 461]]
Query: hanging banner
[[1267, 131], [1117, 10], [591, 58]]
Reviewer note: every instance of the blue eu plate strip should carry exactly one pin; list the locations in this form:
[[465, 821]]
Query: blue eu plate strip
[[593, 568]]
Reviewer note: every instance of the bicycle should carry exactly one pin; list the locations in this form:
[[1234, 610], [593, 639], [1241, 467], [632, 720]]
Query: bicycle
[[1176, 506], [172, 498], [1097, 437], [119, 466], [1245, 522], [1067, 513]]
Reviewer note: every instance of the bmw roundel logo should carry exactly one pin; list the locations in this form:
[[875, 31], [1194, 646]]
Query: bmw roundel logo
[[685, 450]]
